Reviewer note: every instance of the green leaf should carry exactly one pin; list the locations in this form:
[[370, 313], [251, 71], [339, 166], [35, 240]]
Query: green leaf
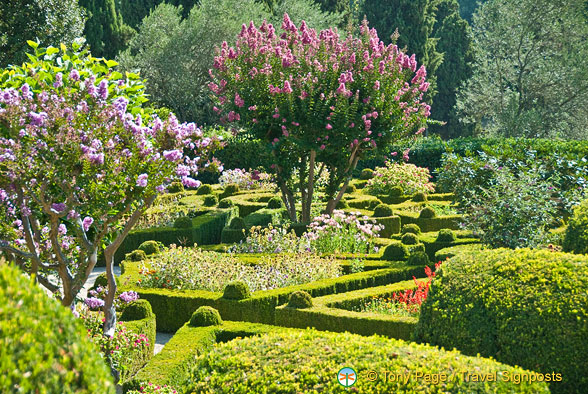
[[32, 44], [52, 51], [111, 63]]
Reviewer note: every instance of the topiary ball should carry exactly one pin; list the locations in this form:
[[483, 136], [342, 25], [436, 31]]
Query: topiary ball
[[366, 173], [225, 203], [230, 190], [210, 201], [183, 222], [446, 235], [149, 247], [237, 223], [410, 239], [274, 203], [204, 189], [236, 291], [136, 310], [427, 213], [411, 228], [395, 252], [300, 300], [136, 255], [44, 348], [396, 191], [205, 316], [350, 189], [419, 197], [175, 187], [418, 258], [342, 204], [383, 210]]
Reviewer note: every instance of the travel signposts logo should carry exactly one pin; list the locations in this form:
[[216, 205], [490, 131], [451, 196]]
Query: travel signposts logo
[[347, 377]]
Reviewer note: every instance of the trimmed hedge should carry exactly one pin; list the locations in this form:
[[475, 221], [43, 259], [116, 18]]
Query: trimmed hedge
[[43, 347], [397, 251], [523, 307], [264, 217], [174, 307], [430, 224], [205, 316], [232, 235], [383, 210], [576, 234], [391, 225], [255, 365], [448, 252], [139, 318]]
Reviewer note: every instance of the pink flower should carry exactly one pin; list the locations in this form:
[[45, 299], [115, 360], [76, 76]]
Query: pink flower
[[322, 147], [287, 88], [329, 127], [239, 101]]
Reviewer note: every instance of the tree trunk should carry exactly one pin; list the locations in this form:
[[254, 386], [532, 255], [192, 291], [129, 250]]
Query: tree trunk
[[332, 203], [109, 308], [307, 203]]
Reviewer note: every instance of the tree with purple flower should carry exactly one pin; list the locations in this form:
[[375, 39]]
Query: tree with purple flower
[[81, 159]]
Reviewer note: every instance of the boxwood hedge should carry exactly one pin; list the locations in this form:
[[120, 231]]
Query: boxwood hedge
[[523, 307]]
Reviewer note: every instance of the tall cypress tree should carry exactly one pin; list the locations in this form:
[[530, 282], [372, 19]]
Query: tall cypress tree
[[105, 31]]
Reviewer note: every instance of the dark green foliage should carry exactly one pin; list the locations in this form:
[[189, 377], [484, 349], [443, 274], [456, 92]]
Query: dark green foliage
[[410, 239], [265, 365], [210, 201], [298, 228], [225, 203], [101, 280], [183, 222], [43, 347], [524, 307], [391, 226], [105, 30], [418, 258], [427, 213], [397, 251], [240, 152], [342, 204], [150, 247], [411, 228], [468, 7], [229, 235], [176, 187], [237, 223], [274, 203], [264, 217], [396, 191], [576, 235], [367, 173], [204, 189], [137, 310], [446, 235], [300, 299], [419, 197], [50, 22], [350, 189], [236, 291], [136, 255], [205, 316], [229, 190], [383, 210]]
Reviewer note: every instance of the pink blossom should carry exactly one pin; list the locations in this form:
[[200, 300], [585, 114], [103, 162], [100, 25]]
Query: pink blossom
[[329, 127], [239, 101]]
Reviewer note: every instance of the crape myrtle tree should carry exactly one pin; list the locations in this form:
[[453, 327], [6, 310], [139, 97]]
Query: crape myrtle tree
[[318, 100], [80, 161]]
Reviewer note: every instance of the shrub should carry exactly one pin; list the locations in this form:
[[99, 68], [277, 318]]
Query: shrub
[[246, 180], [230, 190], [101, 280], [43, 347], [225, 203], [446, 235], [210, 201], [183, 222], [300, 300], [576, 235], [272, 240], [237, 223], [137, 310], [204, 189], [395, 191], [236, 291], [383, 210], [175, 187], [350, 189], [205, 316], [366, 173], [150, 247], [418, 258], [410, 239], [523, 307], [274, 203], [410, 178], [411, 228], [419, 197], [427, 213], [136, 255], [342, 204], [252, 364]]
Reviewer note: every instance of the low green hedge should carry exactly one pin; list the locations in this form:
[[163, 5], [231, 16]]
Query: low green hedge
[[309, 361], [232, 235], [265, 216], [43, 347], [447, 253], [430, 224], [575, 238], [334, 313], [397, 251], [174, 307], [391, 225], [143, 323], [523, 307], [250, 202], [363, 201]]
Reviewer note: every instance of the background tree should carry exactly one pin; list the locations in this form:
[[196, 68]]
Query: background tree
[[317, 99], [468, 7], [49, 21], [175, 54], [531, 69], [79, 166]]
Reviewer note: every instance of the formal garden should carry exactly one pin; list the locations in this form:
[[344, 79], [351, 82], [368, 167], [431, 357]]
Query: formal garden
[[317, 237]]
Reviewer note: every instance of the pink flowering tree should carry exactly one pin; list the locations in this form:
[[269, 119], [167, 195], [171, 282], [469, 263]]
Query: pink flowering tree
[[80, 161], [318, 100]]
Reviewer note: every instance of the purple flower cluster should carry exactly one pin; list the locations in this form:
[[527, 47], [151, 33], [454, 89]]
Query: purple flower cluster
[[128, 296], [94, 303]]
